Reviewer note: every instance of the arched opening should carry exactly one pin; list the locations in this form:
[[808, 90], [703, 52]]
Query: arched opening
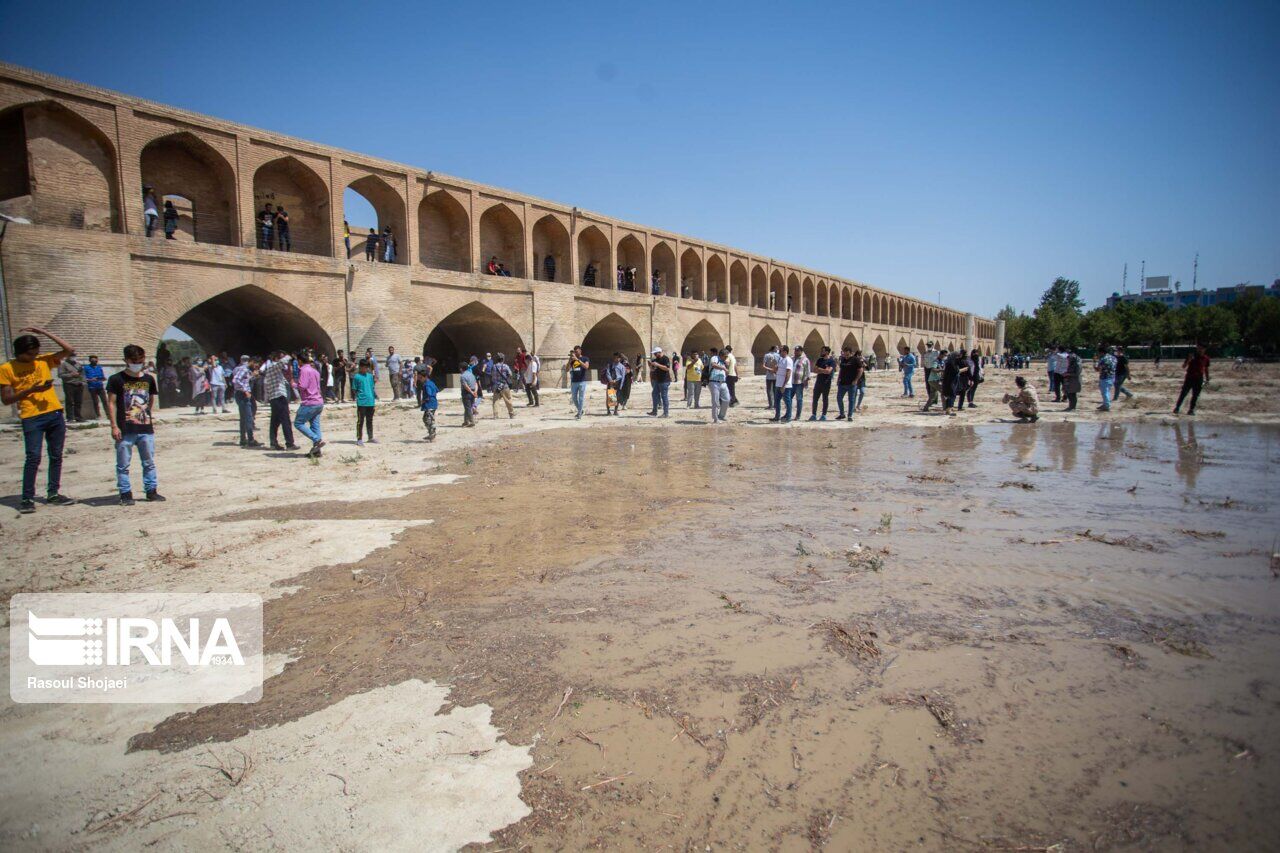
[[593, 259], [444, 233], [902, 345], [388, 210], [765, 339], [502, 240], [851, 342], [866, 308], [833, 309], [808, 297], [286, 181], [56, 168], [473, 329], [759, 287], [634, 271], [921, 348], [691, 276], [821, 304], [612, 334], [702, 337], [717, 284], [813, 344], [846, 307], [550, 240], [880, 349], [188, 171], [739, 287], [248, 320], [778, 292], [664, 276], [794, 299]]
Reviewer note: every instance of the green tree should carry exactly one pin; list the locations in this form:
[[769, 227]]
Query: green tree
[[1211, 325], [1062, 296], [1103, 326], [1261, 328]]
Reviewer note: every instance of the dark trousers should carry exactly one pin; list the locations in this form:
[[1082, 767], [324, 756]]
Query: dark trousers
[[732, 382], [1188, 385], [98, 397], [244, 405], [768, 391], [468, 408], [364, 420], [50, 428], [268, 237], [531, 392], [285, 243], [74, 393], [280, 418], [821, 391], [1055, 386]]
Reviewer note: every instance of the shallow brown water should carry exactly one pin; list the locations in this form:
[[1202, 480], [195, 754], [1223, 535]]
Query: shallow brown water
[[993, 637]]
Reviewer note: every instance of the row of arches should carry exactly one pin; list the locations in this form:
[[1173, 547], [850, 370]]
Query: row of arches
[[57, 168]]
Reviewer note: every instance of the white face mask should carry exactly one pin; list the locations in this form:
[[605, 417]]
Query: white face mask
[[134, 368]]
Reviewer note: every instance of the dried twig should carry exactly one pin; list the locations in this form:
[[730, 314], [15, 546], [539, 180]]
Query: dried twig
[[567, 693], [124, 816], [605, 781]]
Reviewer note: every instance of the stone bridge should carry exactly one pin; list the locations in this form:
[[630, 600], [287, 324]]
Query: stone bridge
[[73, 160]]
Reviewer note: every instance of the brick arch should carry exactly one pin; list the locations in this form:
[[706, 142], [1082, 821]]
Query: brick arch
[[550, 239], [764, 338], [63, 168], [778, 290], [703, 335], [691, 275], [808, 296], [246, 319], [183, 164], [663, 260], [444, 232], [739, 284], [813, 343], [593, 251], [879, 347], [502, 238], [717, 281], [471, 329], [795, 300], [822, 305], [631, 255], [759, 287], [389, 205], [607, 335], [306, 196], [847, 303], [850, 341]]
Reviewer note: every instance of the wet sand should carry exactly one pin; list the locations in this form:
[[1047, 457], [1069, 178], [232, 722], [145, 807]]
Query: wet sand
[[980, 637]]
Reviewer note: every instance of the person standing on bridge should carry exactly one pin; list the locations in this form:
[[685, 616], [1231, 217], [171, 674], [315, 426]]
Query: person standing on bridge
[[282, 229], [549, 267], [26, 381], [150, 210], [267, 226]]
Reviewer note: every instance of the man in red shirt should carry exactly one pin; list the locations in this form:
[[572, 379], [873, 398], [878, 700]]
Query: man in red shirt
[[1196, 366]]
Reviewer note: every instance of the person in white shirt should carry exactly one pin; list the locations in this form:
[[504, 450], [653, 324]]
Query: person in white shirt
[[770, 368], [393, 372], [799, 381], [782, 373], [530, 378], [217, 385], [718, 375]]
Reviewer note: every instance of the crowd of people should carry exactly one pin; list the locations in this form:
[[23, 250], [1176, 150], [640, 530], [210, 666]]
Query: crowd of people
[[128, 398]]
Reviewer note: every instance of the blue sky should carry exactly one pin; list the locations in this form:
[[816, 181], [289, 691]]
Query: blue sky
[[973, 150]]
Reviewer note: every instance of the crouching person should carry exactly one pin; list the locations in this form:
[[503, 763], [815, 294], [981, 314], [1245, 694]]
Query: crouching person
[[1024, 405], [131, 396]]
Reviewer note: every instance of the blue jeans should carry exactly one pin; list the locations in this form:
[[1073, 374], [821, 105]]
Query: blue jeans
[[797, 395], [1105, 384], [843, 391], [907, 387], [146, 444], [50, 427], [307, 420], [244, 403], [660, 394], [780, 395], [859, 391], [578, 394]]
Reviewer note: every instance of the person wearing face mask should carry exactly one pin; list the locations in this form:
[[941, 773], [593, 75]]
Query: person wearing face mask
[[131, 396]]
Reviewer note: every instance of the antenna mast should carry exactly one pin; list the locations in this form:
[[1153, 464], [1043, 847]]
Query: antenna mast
[[1195, 271], [1124, 279]]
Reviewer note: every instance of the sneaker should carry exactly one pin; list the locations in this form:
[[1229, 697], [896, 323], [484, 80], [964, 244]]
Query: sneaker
[[813, 417], [1035, 418], [359, 442], [60, 500], [126, 499], [839, 417], [27, 506], [276, 446], [155, 497], [252, 443], [291, 447], [375, 441], [823, 418]]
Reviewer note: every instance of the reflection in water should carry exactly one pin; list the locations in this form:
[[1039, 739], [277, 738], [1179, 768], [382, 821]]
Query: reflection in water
[[1062, 447], [1190, 455], [1020, 442], [1108, 444]]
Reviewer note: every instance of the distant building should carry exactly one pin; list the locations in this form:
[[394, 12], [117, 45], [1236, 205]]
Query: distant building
[[1203, 297]]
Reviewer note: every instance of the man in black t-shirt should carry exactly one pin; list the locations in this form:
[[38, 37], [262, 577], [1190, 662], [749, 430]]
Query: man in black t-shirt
[[850, 367], [131, 396], [823, 369], [660, 381]]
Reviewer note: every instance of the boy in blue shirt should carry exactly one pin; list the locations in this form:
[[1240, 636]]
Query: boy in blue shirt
[[362, 387], [430, 403], [96, 378]]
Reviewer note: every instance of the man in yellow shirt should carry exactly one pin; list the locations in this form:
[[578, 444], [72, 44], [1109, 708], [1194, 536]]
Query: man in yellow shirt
[[27, 382]]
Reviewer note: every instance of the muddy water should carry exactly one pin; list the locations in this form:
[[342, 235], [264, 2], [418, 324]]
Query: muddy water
[[999, 638]]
